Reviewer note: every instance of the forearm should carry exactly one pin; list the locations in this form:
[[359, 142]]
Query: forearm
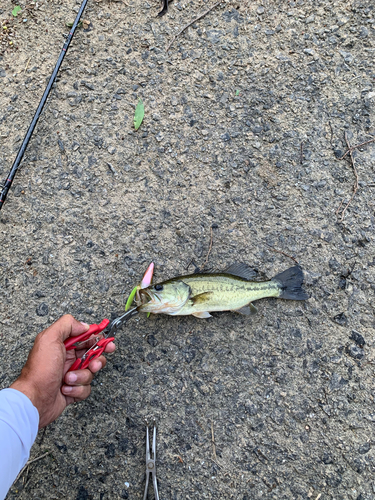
[[19, 421]]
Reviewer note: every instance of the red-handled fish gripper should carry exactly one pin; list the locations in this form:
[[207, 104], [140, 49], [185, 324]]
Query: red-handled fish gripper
[[73, 342], [93, 353]]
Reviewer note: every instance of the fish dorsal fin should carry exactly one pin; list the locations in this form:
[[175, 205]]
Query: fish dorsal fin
[[202, 315], [201, 297], [249, 310], [242, 271]]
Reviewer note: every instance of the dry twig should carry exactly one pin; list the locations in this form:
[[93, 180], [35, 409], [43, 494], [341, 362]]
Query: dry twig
[[29, 463], [208, 253], [352, 148], [220, 466], [339, 207], [213, 442], [27, 65], [283, 253], [175, 455], [355, 187], [192, 22], [330, 126]]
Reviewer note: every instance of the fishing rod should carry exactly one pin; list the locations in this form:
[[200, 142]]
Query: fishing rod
[[5, 188]]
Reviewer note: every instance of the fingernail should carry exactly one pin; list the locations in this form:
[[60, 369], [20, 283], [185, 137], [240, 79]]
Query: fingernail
[[84, 324], [67, 389], [72, 377], [100, 365]]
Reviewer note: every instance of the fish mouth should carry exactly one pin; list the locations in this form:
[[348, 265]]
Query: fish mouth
[[145, 297]]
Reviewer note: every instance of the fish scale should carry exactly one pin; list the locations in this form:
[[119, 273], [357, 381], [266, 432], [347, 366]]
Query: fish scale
[[225, 292]]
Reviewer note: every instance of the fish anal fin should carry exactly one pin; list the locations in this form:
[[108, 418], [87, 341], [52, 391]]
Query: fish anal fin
[[253, 309], [248, 310], [201, 297], [202, 315], [242, 271]]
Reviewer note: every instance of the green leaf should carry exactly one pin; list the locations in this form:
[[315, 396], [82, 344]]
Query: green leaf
[[237, 92], [16, 10], [70, 25], [131, 298], [139, 114]]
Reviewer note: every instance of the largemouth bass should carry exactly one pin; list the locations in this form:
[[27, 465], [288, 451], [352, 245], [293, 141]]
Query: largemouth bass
[[232, 290]]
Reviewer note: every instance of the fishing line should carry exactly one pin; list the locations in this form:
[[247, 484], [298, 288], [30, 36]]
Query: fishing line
[[7, 184]]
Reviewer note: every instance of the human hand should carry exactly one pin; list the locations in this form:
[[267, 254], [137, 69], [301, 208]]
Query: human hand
[[44, 378]]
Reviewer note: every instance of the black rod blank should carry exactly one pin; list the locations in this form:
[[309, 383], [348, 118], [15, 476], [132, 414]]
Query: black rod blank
[[21, 152]]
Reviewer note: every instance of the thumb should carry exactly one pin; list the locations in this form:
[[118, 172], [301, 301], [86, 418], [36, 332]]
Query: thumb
[[67, 326]]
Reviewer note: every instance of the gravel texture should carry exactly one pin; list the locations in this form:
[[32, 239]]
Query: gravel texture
[[245, 119]]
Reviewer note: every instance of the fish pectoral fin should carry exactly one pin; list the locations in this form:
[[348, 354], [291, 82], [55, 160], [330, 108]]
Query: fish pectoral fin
[[249, 310], [201, 297], [242, 271], [202, 315]]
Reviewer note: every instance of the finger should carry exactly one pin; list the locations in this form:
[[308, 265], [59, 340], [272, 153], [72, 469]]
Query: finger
[[97, 364], [100, 362], [111, 347], [78, 393], [79, 377], [65, 327]]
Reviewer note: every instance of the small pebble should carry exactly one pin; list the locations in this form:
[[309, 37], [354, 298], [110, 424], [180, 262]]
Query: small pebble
[[355, 352], [358, 338]]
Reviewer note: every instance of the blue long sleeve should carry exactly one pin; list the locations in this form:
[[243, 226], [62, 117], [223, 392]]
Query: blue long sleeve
[[19, 421]]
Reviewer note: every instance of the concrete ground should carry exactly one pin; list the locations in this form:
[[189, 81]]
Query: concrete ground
[[245, 122]]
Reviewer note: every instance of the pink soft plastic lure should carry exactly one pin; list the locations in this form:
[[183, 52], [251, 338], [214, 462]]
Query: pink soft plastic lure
[[146, 282], [147, 277]]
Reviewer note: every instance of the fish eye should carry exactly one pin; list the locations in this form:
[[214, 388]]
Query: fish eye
[[158, 288]]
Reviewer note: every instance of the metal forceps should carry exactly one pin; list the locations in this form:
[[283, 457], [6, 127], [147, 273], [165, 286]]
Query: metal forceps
[[118, 322], [151, 462], [101, 343]]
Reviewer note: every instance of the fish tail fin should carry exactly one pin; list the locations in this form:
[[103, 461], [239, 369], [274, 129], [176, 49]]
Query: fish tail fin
[[290, 282]]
